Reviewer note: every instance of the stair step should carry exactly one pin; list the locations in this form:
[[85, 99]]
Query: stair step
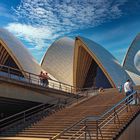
[[54, 124]]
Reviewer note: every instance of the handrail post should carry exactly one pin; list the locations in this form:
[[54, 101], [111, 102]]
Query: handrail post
[[114, 116], [136, 98], [18, 75], [38, 81], [60, 86], [29, 78], [77, 98], [71, 89], [87, 93], [9, 72], [97, 129], [85, 130], [24, 117]]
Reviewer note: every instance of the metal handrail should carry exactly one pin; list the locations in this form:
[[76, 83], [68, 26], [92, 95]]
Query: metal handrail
[[67, 129], [81, 95], [28, 77], [22, 114], [81, 130], [86, 94], [98, 118], [10, 121], [116, 110]]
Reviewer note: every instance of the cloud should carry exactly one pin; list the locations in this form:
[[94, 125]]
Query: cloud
[[60, 13], [36, 36], [39, 21]]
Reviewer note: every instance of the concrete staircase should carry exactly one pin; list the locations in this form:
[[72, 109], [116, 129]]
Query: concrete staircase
[[53, 126], [108, 133]]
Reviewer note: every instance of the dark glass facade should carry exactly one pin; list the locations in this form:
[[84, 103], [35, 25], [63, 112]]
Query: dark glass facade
[[96, 78]]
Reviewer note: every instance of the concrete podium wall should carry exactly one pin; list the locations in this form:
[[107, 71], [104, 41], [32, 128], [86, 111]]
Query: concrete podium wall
[[133, 131], [22, 93]]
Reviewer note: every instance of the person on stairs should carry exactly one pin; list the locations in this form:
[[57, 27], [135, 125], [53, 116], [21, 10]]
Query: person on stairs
[[128, 89]]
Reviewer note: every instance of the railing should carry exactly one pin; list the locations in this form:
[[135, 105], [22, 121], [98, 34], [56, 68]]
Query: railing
[[82, 94], [30, 78], [112, 115], [29, 115]]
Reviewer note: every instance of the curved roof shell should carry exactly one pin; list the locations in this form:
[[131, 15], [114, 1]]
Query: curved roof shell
[[134, 77], [132, 58], [19, 53], [58, 60], [107, 63]]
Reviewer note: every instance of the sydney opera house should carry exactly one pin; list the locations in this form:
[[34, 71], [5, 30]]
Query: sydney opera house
[[72, 65], [81, 62]]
